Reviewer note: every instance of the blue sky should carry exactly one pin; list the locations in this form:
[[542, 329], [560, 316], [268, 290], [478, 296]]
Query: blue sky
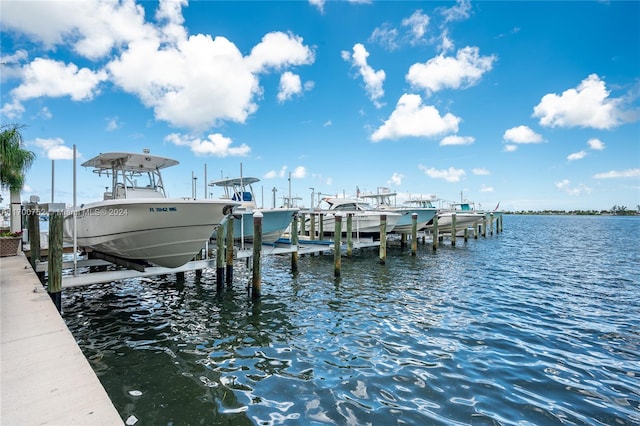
[[531, 104]]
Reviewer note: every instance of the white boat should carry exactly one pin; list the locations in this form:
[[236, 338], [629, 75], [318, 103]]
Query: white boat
[[466, 217], [385, 200], [365, 222], [275, 221], [136, 221]]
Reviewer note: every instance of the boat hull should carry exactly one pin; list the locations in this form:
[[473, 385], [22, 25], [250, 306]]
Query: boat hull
[[274, 223], [463, 220], [405, 223], [363, 223], [163, 232]]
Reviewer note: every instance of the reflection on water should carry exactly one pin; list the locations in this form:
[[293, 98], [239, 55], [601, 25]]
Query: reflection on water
[[537, 325]]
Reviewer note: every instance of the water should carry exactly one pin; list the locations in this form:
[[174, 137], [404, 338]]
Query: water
[[536, 325]]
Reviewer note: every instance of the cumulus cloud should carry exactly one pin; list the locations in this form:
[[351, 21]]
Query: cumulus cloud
[[412, 118], [299, 172], [276, 173], [615, 174], [386, 36], [417, 23], [458, 12], [450, 175], [290, 85], [486, 188], [193, 82], [45, 77], [596, 144], [215, 145], [480, 172], [373, 80], [396, 179], [588, 105], [442, 72], [573, 190], [457, 140], [54, 148], [521, 135], [577, 155]]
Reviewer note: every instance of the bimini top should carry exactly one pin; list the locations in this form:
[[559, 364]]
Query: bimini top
[[129, 161], [234, 181]]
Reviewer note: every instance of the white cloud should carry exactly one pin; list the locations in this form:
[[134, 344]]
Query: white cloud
[[396, 179], [450, 175], [290, 85], [522, 134], [373, 80], [319, 4], [274, 174], [615, 174], [442, 72], [215, 144], [486, 188], [417, 23], [580, 189], [577, 155], [54, 148], [92, 27], [510, 148], [412, 118], [193, 81], [299, 172], [386, 36], [327, 123], [457, 140], [458, 12], [480, 172], [595, 144], [45, 77], [588, 105], [112, 124]]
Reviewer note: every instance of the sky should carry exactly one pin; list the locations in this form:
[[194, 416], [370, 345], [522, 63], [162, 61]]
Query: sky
[[533, 105]]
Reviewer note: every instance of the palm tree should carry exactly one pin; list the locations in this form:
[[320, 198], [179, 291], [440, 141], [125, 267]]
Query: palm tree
[[14, 163]]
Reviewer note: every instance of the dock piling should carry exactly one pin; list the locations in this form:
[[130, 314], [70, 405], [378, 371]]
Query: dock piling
[[414, 233], [435, 232], [219, 256], [453, 229], [294, 242], [383, 238], [228, 244], [54, 284], [257, 249], [349, 234], [337, 252]]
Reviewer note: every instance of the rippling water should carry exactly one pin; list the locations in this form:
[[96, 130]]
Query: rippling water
[[539, 324]]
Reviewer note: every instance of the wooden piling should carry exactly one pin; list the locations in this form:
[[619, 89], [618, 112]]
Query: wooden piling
[[466, 234], [321, 227], [491, 223], [484, 226], [475, 230], [219, 256], [403, 240], [414, 233], [349, 234], [33, 226], [337, 244], [312, 226], [453, 229], [294, 242], [383, 238], [257, 251], [229, 247], [54, 284], [435, 232]]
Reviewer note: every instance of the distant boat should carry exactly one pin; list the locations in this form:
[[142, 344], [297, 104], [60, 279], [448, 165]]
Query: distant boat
[[365, 222], [135, 220], [384, 199], [275, 221], [466, 216]]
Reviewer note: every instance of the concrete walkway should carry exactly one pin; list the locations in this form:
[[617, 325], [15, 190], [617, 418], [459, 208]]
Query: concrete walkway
[[44, 378]]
